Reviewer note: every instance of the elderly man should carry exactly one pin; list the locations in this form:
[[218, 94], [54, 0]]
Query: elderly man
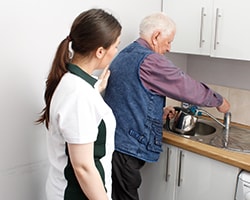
[[141, 77]]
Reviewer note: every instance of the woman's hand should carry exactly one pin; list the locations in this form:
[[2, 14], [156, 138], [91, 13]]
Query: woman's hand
[[168, 111], [103, 79]]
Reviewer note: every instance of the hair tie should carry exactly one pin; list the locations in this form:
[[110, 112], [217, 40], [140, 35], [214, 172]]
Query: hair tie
[[68, 38]]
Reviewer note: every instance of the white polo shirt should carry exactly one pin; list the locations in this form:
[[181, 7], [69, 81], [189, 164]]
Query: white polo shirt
[[76, 111]]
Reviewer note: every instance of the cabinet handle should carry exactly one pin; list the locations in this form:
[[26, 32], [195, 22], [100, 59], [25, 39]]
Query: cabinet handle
[[180, 168], [167, 165], [203, 14], [218, 15]]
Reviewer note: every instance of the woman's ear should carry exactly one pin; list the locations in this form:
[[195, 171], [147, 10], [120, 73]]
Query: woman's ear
[[100, 52]]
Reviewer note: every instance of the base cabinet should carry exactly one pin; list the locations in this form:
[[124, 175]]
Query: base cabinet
[[158, 178], [183, 175]]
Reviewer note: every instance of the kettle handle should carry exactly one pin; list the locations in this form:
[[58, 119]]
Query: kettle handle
[[167, 123]]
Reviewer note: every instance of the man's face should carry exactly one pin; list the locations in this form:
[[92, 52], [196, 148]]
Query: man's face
[[162, 44]]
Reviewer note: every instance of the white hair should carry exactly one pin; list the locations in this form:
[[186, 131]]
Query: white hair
[[156, 22]]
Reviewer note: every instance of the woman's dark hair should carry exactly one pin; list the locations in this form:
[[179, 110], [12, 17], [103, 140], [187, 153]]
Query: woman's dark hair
[[92, 29]]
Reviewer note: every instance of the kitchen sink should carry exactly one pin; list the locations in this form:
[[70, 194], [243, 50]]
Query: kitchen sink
[[210, 132], [202, 129]]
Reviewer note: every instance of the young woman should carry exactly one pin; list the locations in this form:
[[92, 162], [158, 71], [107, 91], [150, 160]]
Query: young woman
[[75, 114]]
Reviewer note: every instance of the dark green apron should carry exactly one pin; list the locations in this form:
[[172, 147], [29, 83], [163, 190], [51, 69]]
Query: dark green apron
[[73, 190]]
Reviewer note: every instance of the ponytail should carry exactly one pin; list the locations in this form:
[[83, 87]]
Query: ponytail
[[58, 69]]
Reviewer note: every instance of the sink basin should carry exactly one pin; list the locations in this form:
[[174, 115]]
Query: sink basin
[[203, 129]]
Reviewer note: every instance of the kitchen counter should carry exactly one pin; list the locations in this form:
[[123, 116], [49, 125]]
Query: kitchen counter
[[237, 159]]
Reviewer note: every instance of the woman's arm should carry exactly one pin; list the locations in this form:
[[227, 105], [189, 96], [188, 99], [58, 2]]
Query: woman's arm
[[82, 160]]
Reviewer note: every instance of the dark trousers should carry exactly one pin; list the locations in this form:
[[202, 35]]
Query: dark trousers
[[126, 177]]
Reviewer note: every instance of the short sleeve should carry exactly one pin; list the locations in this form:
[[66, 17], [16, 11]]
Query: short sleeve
[[77, 120]]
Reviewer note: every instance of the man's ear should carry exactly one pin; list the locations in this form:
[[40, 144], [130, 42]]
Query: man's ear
[[100, 52], [155, 36]]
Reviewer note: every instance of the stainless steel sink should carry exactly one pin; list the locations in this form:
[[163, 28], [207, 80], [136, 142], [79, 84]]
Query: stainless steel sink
[[202, 129], [210, 132]]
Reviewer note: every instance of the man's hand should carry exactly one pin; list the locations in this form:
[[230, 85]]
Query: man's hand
[[168, 111], [224, 107]]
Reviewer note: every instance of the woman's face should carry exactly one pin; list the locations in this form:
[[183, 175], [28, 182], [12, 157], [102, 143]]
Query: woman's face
[[110, 54]]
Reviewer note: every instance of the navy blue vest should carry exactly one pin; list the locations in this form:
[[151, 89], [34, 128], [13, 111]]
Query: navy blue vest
[[138, 111]]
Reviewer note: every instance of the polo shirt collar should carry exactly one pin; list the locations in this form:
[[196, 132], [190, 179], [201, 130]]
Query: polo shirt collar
[[74, 69]]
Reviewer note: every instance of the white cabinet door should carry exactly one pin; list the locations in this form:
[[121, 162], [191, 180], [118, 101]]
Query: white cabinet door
[[219, 28], [193, 20], [204, 178], [158, 179], [183, 175], [233, 29]]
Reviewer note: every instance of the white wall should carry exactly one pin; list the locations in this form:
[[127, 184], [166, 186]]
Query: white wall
[[224, 72], [30, 33]]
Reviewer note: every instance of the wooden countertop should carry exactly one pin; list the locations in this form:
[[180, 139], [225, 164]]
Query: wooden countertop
[[237, 159]]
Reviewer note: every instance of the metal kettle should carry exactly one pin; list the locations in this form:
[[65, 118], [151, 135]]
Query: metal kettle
[[182, 123]]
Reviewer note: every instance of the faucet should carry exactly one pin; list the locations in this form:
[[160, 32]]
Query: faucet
[[225, 125], [198, 111], [195, 110], [227, 118]]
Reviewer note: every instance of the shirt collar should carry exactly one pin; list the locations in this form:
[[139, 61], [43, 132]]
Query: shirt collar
[[74, 69], [143, 43]]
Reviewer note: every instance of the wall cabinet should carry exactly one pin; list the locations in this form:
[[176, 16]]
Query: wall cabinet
[[218, 28], [182, 175]]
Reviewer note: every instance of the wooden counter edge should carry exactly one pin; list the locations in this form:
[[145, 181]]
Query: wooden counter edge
[[237, 159]]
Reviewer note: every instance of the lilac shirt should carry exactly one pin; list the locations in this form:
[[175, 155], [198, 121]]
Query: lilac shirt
[[160, 75]]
